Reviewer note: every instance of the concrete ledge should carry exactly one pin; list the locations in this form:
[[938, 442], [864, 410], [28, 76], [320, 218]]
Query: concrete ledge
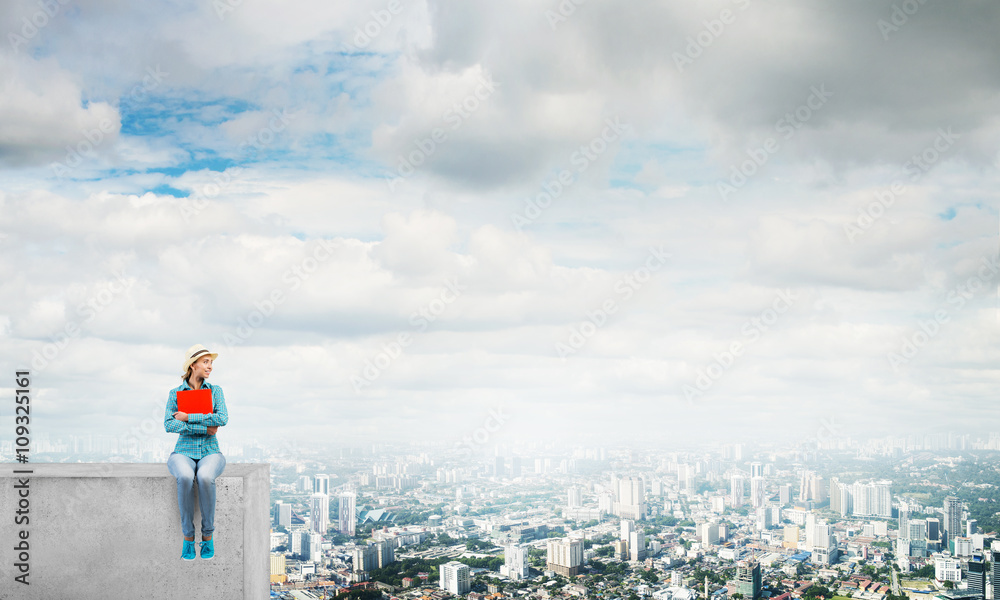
[[113, 530]]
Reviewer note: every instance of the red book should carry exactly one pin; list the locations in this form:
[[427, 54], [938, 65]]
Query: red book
[[195, 401]]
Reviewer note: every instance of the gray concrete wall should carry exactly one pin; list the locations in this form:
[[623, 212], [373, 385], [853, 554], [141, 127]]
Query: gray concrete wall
[[113, 530]]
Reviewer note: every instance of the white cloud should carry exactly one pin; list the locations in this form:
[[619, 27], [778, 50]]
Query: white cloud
[[44, 119]]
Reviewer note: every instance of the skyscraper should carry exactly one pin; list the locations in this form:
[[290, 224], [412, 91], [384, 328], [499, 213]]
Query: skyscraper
[[296, 540], [785, 494], [757, 491], [282, 514], [631, 498], [347, 517], [312, 544], [455, 578], [627, 527], [385, 553], [321, 484], [836, 500], [904, 521], [996, 574], [515, 560], [804, 485], [977, 575], [736, 490], [748, 580], [952, 518], [319, 512], [565, 556], [365, 559], [636, 546], [573, 497]]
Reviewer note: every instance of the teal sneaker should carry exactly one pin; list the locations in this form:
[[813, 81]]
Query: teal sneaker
[[187, 550], [207, 549]]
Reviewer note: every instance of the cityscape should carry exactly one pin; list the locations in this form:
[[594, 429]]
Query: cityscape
[[885, 519]]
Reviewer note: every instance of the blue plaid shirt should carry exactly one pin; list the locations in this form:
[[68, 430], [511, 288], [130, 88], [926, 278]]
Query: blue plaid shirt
[[195, 441]]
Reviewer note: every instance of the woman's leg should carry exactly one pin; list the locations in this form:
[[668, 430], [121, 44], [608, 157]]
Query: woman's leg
[[209, 467], [182, 467]]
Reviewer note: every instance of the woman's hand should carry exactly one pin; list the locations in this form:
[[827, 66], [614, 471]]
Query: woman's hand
[[181, 416], [211, 430]]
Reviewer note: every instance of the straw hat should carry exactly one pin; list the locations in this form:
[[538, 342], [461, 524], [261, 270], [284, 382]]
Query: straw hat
[[194, 353]]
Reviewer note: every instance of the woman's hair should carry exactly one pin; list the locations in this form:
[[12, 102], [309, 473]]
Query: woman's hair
[[187, 375]]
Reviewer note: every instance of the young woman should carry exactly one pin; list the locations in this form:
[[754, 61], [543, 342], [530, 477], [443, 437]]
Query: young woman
[[196, 455]]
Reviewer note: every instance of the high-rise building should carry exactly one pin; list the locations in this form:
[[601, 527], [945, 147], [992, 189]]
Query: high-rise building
[[915, 530], [756, 470], [952, 518], [960, 546], [904, 521], [384, 553], [573, 498], [785, 494], [499, 468], [863, 499], [971, 527], [791, 538], [709, 533], [835, 497], [824, 549], [947, 568], [565, 556], [305, 484], [347, 521], [995, 575], [455, 578], [319, 512], [515, 560], [621, 549], [765, 519], [748, 580], [606, 502], [295, 541], [810, 530], [321, 484], [685, 477], [977, 575], [312, 546], [804, 485], [631, 498], [818, 489], [282, 514], [637, 546], [277, 565], [627, 527], [757, 491], [933, 529], [365, 559], [736, 492]]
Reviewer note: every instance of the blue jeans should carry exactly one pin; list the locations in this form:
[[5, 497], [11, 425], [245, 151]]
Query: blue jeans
[[186, 469]]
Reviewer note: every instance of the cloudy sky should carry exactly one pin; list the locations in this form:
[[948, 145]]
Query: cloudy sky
[[598, 220]]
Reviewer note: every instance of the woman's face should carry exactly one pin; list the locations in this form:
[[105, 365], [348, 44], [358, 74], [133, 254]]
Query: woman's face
[[202, 367]]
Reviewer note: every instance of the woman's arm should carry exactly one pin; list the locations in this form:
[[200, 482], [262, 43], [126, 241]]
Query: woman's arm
[[173, 425], [219, 416]]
